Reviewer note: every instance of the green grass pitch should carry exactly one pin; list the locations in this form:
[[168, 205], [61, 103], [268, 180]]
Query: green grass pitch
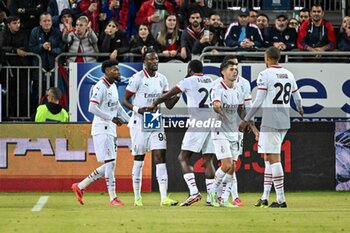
[[306, 212]]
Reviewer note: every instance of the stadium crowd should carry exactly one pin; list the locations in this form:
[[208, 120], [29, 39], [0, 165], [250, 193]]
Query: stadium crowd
[[175, 29]]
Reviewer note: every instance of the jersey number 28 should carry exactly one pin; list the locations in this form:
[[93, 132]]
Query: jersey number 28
[[284, 91]]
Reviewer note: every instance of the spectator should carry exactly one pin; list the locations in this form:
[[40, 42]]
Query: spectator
[[122, 11], [83, 40], [52, 111], [219, 27], [14, 40], [281, 36], [253, 15], [3, 17], [169, 37], [206, 40], [294, 23], [66, 20], [345, 23], [143, 40], [304, 15], [243, 35], [28, 12], [204, 10], [344, 35], [262, 22], [316, 34], [192, 33], [55, 8], [91, 9], [46, 41], [113, 41], [152, 14]]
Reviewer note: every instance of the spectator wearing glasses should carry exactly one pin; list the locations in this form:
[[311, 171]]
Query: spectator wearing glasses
[[294, 23], [304, 15], [253, 15], [316, 34]]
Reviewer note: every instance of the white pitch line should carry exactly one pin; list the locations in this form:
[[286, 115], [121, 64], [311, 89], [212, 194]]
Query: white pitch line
[[40, 204]]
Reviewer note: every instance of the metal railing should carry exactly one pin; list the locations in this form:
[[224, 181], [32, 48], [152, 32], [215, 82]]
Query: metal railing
[[224, 51], [9, 73]]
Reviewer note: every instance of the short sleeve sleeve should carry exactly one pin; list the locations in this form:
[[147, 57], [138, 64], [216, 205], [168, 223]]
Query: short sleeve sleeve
[[133, 85], [165, 85], [97, 94], [215, 95], [184, 85]]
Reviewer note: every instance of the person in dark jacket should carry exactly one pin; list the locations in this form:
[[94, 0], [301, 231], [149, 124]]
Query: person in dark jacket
[[14, 40], [280, 35], [113, 41], [316, 34], [143, 40], [344, 35], [242, 35], [28, 11]]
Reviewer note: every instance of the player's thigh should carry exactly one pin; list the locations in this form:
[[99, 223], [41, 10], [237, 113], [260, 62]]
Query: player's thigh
[[138, 141], [194, 141], [235, 149], [208, 146], [270, 140], [240, 140], [105, 147], [157, 141], [222, 149]]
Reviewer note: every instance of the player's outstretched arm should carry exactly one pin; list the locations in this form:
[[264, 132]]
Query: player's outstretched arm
[[170, 99]]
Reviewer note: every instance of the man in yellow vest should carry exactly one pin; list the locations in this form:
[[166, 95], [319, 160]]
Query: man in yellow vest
[[52, 111]]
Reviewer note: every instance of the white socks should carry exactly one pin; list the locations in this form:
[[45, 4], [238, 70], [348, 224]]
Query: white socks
[[209, 183], [162, 177], [110, 179], [278, 180], [234, 188], [95, 175], [137, 177], [219, 175], [191, 183], [228, 179], [267, 181]]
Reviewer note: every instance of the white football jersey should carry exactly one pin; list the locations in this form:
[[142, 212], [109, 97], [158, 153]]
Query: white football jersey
[[146, 89], [279, 84], [197, 89], [106, 96], [230, 99], [244, 86]]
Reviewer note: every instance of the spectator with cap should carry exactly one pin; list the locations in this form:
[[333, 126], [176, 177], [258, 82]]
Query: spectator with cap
[[280, 35], [55, 8], [52, 110], [242, 35], [304, 15], [66, 21], [316, 34]]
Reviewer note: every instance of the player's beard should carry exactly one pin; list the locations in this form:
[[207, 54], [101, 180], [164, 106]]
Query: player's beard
[[154, 67]]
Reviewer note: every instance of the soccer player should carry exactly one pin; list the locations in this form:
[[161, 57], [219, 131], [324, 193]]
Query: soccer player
[[227, 103], [108, 113], [197, 88], [275, 87], [144, 87], [244, 87]]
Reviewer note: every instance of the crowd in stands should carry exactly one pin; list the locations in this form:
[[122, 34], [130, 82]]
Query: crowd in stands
[[176, 31], [51, 27]]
